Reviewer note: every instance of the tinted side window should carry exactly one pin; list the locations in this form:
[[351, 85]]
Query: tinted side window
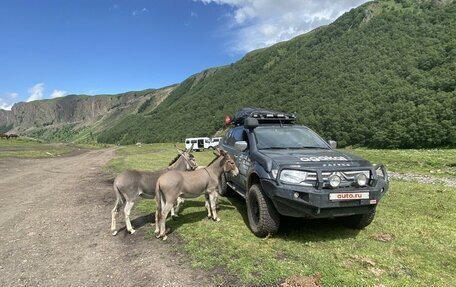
[[234, 136]]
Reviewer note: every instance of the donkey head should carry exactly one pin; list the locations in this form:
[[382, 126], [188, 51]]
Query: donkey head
[[228, 163], [189, 158]]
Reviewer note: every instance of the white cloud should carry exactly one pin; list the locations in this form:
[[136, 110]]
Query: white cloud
[[5, 105], [261, 23], [12, 96], [137, 12], [36, 92], [58, 94], [193, 14]]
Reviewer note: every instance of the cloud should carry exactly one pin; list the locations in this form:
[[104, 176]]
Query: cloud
[[261, 23], [5, 105], [138, 12], [36, 92], [58, 94], [193, 14], [12, 96]]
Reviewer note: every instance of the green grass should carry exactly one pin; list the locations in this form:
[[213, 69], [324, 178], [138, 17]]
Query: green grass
[[439, 162], [420, 219], [29, 148], [142, 157], [421, 252]]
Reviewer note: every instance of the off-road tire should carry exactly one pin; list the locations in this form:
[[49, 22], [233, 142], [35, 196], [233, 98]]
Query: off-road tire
[[263, 217], [359, 221], [224, 189]]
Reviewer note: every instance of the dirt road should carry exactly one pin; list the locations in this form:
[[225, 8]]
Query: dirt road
[[55, 230]]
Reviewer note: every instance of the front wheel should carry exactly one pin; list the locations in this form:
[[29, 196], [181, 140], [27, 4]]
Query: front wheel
[[263, 217], [224, 189], [359, 221]]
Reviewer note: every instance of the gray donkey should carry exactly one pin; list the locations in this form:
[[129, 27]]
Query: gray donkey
[[175, 184], [132, 184]]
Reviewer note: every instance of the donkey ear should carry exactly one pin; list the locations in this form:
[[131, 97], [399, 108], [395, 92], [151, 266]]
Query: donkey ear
[[217, 152], [178, 149]]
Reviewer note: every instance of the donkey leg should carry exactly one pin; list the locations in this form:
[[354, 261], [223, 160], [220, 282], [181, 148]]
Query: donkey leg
[[164, 215], [175, 210], [157, 229], [213, 205], [127, 210], [114, 214], [207, 205]]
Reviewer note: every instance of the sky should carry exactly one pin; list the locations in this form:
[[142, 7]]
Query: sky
[[53, 48]]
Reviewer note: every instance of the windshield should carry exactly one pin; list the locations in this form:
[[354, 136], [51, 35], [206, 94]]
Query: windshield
[[288, 137]]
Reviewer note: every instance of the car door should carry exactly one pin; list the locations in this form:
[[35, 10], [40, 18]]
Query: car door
[[234, 135]]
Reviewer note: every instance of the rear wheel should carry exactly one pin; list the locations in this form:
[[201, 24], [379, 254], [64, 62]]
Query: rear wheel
[[224, 189], [263, 217], [359, 221]]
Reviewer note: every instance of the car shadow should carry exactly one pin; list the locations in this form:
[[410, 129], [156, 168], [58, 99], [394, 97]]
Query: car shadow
[[313, 230], [300, 229]]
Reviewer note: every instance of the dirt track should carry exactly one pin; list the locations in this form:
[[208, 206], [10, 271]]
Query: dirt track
[[55, 230]]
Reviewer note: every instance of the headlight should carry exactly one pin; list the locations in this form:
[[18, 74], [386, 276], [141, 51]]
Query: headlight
[[293, 176], [361, 179], [334, 181]]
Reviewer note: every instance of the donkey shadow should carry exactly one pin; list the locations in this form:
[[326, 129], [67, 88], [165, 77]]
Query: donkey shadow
[[176, 222]]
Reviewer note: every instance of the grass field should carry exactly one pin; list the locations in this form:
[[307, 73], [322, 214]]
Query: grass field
[[412, 241], [29, 148], [438, 162]]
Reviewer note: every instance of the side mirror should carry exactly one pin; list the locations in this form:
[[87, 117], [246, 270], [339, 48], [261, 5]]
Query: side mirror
[[250, 123], [333, 144], [240, 145]]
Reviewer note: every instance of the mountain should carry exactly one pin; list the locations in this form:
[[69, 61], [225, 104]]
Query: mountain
[[6, 120], [79, 117], [382, 75]]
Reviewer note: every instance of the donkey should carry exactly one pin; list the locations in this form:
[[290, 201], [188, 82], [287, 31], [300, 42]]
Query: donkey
[[174, 184], [132, 184]]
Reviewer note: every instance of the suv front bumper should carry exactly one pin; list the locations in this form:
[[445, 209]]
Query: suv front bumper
[[315, 203]]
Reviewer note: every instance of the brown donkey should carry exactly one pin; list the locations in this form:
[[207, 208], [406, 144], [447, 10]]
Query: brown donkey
[[174, 184], [132, 184]]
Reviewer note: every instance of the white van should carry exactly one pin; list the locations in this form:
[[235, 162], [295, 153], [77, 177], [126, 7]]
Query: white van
[[198, 144], [215, 142]]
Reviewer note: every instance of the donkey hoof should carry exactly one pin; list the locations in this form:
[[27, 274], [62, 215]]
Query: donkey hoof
[[165, 237], [217, 219], [114, 233], [132, 231]]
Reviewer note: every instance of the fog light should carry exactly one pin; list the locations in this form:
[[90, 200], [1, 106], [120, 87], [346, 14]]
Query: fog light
[[334, 181], [361, 179], [295, 195]]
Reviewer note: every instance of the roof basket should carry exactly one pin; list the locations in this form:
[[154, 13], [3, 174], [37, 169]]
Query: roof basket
[[263, 116]]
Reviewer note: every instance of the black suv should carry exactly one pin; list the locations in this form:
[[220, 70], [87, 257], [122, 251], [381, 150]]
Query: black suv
[[287, 169]]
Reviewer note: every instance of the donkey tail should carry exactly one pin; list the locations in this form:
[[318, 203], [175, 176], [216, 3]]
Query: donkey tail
[[119, 196], [158, 199]]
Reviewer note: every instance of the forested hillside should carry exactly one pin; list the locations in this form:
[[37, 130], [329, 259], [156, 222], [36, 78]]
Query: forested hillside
[[382, 75]]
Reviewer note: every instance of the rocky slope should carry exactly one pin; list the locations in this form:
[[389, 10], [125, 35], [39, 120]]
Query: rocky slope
[[76, 116], [6, 120]]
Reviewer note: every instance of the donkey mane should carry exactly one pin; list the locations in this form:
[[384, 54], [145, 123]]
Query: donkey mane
[[174, 160], [214, 160]]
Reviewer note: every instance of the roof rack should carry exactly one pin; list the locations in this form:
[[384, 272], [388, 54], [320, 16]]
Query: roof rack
[[263, 116]]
